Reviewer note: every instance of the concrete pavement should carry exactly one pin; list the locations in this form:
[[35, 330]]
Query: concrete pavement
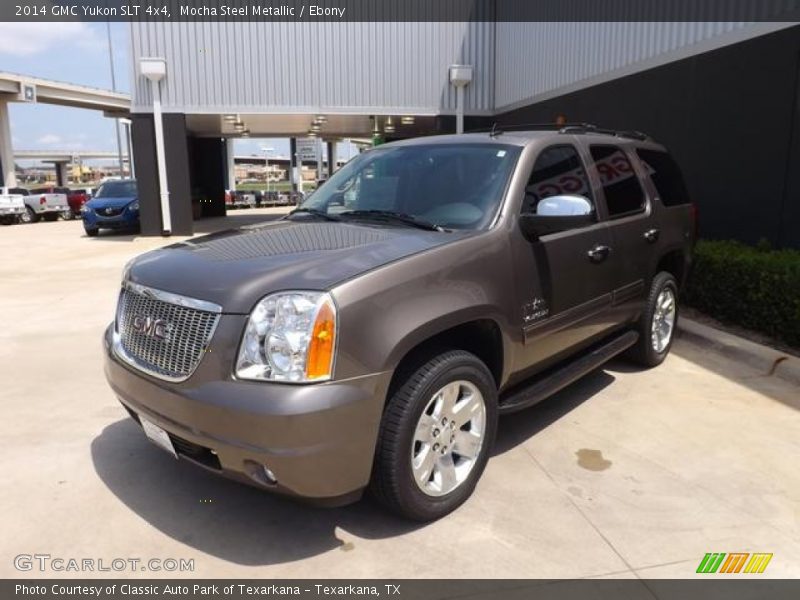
[[627, 473]]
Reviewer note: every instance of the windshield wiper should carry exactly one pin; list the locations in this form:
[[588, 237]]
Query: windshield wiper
[[314, 211], [390, 215]]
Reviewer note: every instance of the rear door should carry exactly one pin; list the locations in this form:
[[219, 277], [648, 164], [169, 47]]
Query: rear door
[[565, 278], [631, 222]]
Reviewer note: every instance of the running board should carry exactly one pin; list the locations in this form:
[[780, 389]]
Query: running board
[[539, 389]]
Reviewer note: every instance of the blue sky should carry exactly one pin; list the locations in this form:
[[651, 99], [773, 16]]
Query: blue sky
[[74, 52]]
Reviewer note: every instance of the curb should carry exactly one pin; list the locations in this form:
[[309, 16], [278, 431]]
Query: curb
[[765, 360]]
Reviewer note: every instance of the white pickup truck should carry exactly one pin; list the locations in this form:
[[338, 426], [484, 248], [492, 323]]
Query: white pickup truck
[[40, 205], [12, 207]]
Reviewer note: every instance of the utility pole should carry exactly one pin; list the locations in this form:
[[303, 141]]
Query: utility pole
[[114, 89]]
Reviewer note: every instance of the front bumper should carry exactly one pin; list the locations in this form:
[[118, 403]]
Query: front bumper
[[318, 440], [125, 220]]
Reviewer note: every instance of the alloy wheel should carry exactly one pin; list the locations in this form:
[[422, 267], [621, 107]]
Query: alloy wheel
[[663, 323], [448, 438]]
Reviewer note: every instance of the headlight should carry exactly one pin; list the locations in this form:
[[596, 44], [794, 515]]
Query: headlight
[[290, 336], [86, 209], [133, 205]]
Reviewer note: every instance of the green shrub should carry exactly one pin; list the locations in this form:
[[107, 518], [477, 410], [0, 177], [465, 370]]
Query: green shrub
[[756, 288]]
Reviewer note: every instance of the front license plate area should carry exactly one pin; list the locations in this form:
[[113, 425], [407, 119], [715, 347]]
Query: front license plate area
[[158, 436]]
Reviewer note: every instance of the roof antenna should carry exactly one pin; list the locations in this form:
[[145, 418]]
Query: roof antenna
[[495, 130]]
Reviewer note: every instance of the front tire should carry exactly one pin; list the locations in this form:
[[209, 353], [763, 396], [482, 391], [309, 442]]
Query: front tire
[[658, 322], [91, 232], [435, 437]]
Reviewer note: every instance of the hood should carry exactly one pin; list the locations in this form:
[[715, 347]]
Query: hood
[[96, 203], [237, 268]]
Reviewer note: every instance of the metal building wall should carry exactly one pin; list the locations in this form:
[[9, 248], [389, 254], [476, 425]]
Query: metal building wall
[[536, 61], [372, 68]]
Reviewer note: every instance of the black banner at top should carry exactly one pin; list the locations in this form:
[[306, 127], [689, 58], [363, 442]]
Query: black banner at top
[[400, 10]]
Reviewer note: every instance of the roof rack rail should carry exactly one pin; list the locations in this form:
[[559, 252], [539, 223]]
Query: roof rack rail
[[589, 128], [566, 128], [497, 129]]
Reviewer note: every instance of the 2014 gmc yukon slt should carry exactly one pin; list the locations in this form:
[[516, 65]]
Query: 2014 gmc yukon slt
[[371, 338]]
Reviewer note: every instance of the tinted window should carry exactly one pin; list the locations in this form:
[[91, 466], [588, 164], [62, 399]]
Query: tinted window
[[452, 185], [21, 191], [558, 170], [666, 176], [117, 189], [623, 192]]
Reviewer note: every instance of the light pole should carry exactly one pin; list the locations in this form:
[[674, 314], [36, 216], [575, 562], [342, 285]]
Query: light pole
[[155, 69], [114, 89], [460, 76], [126, 123], [266, 152]]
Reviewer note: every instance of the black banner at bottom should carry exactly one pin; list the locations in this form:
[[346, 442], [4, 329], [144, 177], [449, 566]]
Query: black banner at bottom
[[713, 588]]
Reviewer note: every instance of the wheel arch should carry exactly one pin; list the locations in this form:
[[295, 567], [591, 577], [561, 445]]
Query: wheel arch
[[481, 336]]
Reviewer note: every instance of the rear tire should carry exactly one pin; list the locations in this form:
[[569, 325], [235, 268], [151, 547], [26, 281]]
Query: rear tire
[[658, 322], [9, 220], [435, 437]]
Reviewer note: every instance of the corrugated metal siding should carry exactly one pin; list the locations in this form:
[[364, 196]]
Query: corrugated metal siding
[[537, 60], [329, 67]]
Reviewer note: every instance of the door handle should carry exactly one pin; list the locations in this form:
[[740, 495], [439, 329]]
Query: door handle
[[599, 253], [651, 235]]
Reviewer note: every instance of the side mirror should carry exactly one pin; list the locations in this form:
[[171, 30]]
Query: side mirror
[[557, 213]]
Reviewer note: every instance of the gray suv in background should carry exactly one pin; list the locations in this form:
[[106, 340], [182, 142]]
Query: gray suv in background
[[371, 338]]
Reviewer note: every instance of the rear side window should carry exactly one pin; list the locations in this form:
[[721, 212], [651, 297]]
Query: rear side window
[[558, 170], [621, 187], [665, 175]]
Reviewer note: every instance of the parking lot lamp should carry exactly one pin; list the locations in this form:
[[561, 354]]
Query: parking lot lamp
[[460, 76], [155, 69]]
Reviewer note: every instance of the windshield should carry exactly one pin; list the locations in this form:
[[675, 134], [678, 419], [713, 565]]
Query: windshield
[[117, 189], [455, 186]]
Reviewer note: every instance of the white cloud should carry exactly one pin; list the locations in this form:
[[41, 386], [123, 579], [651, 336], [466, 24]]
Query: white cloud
[[27, 39], [49, 139]]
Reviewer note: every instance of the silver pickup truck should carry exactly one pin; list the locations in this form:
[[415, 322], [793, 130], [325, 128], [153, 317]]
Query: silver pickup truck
[[40, 205], [12, 207]]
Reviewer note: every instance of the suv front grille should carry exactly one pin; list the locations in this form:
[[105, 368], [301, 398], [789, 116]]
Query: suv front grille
[[163, 334]]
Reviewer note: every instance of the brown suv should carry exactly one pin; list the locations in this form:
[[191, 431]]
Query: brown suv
[[371, 338]]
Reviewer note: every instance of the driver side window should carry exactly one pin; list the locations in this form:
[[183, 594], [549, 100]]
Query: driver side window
[[558, 171]]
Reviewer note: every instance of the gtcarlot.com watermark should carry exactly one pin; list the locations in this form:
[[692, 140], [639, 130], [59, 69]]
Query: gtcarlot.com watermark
[[48, 563]]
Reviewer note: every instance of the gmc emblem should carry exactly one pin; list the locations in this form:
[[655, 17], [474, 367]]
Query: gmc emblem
[[154, 328]]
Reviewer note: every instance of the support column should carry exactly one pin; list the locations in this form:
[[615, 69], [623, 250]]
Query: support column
[[62, 177], [331, 158], [177, 159], [9, 176], [320, 170], [230, 181]]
